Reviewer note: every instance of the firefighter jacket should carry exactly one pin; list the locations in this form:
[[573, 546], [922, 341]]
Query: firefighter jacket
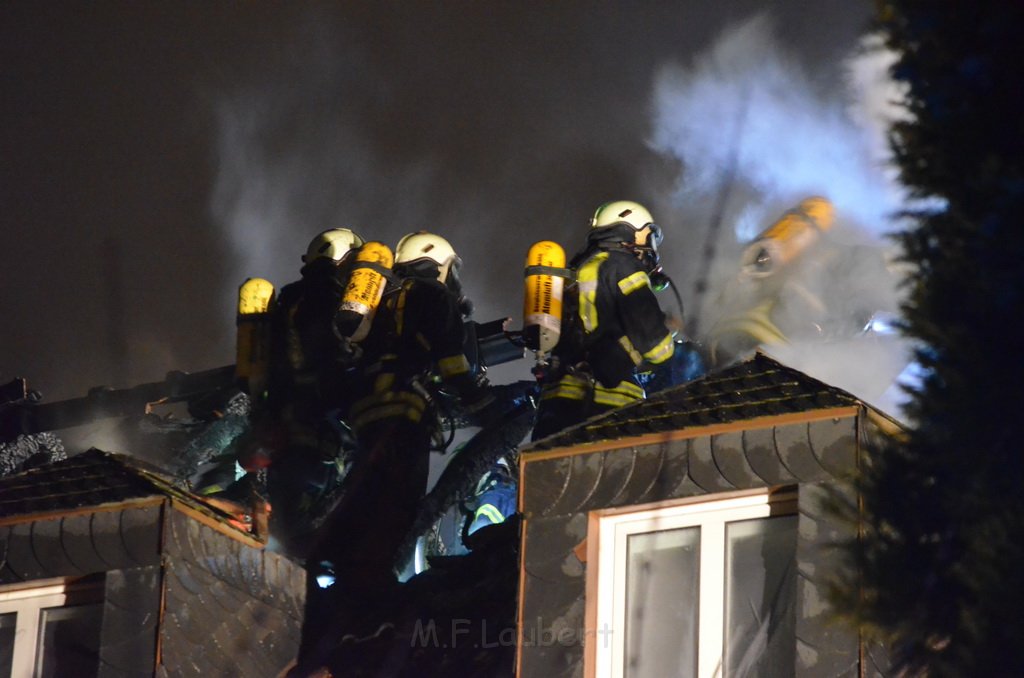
[[621, 320], [417, 332], [309, 362], [615, 324]]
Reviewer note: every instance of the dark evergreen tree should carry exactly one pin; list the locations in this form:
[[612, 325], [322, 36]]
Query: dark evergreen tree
[[941, 558]]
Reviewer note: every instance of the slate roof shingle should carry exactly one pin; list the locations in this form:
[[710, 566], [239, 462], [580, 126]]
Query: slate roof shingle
[[759, 387], [89, 480]]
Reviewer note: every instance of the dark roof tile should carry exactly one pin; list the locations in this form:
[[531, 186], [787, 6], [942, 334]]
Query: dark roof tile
[[90, 479], [756, 388]]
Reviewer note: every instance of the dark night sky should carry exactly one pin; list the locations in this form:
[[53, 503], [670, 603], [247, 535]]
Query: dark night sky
[[153, 155]]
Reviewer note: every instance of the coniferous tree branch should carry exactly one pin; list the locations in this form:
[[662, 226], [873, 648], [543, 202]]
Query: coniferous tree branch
[[937, 570]]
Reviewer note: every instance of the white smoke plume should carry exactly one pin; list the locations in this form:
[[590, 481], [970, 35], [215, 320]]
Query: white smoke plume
[[757, 133], [876, 103], [290, 164], [744, 119], [748, 97]]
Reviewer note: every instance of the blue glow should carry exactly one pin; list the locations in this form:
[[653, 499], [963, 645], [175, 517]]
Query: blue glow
[[882, 323]]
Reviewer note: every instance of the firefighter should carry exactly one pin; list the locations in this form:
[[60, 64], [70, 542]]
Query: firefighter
[[777, 295], [495, 497], [297, 433], [416, 338], [612, 321]]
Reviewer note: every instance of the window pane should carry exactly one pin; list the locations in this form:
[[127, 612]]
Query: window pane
[[69, 639], [760, 604], [662, 584], [7, 624]]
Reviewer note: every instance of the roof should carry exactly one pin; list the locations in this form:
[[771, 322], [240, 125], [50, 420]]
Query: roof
[[759, 387], [90, 480]]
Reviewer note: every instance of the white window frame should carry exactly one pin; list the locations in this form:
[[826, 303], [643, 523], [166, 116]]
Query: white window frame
[[610, 529], [28, 601]]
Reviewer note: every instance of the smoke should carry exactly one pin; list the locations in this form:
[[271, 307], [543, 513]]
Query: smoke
[[339, 132], [757, 132], [376, 136], [214, 158], [877, 103], [304, 145], [748, 98], [289, 163]]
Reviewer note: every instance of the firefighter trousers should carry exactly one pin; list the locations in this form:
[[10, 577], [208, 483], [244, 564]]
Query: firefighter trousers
[[574, 398]]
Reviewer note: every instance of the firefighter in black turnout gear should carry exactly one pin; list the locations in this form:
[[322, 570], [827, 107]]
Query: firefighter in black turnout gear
[[611, 321], [296, 430], [417, 335]]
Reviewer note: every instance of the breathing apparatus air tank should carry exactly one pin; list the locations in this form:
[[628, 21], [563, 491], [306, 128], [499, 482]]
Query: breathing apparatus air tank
[[252, 348], [544, 280], [364, 290], [782, 242]]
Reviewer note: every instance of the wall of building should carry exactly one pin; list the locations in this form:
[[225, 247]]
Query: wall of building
[[559, 491], [175, 588], [229, 609]]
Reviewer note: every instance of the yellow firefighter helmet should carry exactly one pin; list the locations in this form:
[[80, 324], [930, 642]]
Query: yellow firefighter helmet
[[334, 244], [422, 246]]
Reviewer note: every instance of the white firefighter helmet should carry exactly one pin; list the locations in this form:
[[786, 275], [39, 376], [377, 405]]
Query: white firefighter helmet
[[334, 244], [423, 247], [627, 213], [621, 212]]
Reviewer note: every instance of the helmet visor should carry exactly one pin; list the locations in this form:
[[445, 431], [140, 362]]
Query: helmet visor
[[655, 237]]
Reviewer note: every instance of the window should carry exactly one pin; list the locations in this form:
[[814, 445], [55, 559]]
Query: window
[[51, 628], [699, 588]]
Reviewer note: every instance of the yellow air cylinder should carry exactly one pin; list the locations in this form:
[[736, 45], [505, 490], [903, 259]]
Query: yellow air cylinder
[[252, 347], [364, 290], [782, 242], [544, 280]]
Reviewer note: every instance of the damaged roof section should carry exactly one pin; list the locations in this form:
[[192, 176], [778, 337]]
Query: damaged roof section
[[755, 389]]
